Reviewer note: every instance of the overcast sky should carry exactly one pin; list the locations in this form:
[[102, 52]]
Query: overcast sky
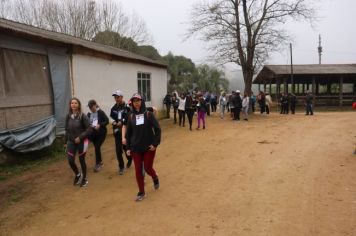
[[167, 21]]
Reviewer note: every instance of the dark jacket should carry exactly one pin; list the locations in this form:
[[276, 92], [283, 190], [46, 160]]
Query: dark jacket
[[103, 121], [201, 105], [167, 99], [76, 126], [237, 101], [119, 113], [309, 99], [140, 136]]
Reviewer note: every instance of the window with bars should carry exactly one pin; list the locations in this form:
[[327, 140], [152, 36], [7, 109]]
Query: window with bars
[[144, 85]]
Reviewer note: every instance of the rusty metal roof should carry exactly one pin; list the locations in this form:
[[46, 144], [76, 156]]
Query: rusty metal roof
[[270, 73], [71, 40]]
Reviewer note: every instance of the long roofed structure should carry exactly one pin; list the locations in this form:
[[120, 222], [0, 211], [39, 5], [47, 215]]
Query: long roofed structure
[[332, 84]]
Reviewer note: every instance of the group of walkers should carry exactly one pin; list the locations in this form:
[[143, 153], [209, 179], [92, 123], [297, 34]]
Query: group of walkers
[[235, 103], [187, 104], [137, 132], [135, 128]]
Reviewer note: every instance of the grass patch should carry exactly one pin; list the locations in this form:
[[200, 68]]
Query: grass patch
[[20, 163]]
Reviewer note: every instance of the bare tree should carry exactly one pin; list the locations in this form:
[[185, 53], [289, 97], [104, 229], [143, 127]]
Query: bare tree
[[79, 18], [246, 31]]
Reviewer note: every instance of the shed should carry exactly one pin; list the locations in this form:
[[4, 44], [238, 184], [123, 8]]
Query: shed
[[332, 84], [41, 70]]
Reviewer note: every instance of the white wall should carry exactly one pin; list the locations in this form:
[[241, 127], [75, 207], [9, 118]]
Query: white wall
[[96, 78]]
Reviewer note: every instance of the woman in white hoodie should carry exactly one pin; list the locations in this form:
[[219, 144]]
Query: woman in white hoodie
[[245, 106], [181, 110]]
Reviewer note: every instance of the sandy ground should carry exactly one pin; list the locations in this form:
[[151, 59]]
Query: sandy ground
[[273, 175]]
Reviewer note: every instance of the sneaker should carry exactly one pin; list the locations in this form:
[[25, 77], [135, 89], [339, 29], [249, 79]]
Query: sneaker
[[156, 184], [129, 163], [77, 179], [140, 196], [121, 171], [97, 168], [84, 183]]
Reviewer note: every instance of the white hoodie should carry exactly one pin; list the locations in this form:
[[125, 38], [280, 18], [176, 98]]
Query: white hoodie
[[181, 104], [245, 101]]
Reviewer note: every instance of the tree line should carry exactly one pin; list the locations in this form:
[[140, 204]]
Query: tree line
[[107, 23]]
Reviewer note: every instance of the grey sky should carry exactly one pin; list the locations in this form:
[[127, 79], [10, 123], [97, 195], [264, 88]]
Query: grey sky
[[166, 20]]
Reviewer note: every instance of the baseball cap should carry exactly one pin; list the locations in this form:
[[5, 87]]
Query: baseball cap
[[117, 93], [136, 95], [238, 91]]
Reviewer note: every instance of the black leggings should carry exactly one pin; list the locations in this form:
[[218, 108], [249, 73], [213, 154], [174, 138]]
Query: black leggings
[[190, 114], [120, 149], [81, 148], [98, 140], [181, 115]]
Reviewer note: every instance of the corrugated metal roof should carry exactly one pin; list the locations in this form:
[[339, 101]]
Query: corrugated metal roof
[[68, 39], [270, 73], [313, 69]]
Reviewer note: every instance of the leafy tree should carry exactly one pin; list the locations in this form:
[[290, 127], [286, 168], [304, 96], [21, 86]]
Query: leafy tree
[[116, 40], [149, 52]]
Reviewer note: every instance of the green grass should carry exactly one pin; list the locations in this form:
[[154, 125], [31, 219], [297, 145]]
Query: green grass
[[20, 163]]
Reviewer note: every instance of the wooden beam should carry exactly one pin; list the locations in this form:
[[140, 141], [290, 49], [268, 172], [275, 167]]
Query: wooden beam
[[328, 89], [341, 85], [264, 87], [313, 90], [270, 88]]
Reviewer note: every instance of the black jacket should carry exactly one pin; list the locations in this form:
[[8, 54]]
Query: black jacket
[[237, 101], [140, 136], [103, 121], [167, 99], [119, 113]]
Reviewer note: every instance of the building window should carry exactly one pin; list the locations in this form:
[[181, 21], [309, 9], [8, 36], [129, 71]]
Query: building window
[[144, 85]]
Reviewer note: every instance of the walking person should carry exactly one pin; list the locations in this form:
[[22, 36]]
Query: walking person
[[293, 103], [231, 104], [207, 98], [201, 109], [167, 101], [213, 102], [245, 106], [309, 103], [143, 135], [190, 108], [77, 131], [175, 103], [181, 110], [119, 113], [268, 100], [237, 104], [98, 121], [223, 103], [253, 102], [262, 102]]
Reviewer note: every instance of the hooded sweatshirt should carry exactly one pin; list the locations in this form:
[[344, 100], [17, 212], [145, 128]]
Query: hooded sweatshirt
[[143, 130], [76, 126]]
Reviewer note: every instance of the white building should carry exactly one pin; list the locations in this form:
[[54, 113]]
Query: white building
[[41, 70]]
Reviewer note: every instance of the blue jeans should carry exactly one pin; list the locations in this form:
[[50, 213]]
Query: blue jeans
[[309, 109]]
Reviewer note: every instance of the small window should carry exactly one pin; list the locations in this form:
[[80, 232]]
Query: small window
[[144, 85]]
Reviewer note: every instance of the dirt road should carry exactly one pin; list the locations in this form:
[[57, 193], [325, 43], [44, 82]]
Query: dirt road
[[273, 175]]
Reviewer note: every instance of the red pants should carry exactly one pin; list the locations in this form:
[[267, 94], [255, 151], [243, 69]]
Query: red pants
[[145, 158]]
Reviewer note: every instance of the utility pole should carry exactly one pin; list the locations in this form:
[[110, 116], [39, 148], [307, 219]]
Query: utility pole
[[291, 68], [320, 49]]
